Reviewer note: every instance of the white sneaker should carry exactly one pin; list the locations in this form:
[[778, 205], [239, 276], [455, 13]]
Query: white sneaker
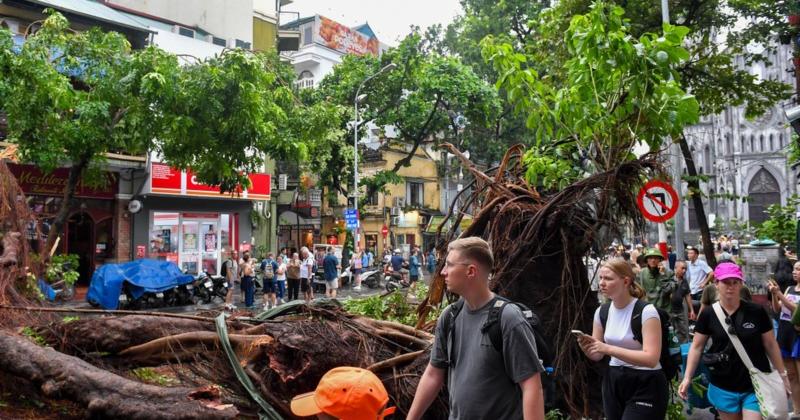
[[230, 307], [266, 307], [357, 288]]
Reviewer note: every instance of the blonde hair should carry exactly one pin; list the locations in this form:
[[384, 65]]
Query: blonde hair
[[475, 249], [623, 269]]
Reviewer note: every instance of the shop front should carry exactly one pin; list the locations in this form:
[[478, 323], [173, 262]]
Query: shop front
[[93, 221], [192, 224]]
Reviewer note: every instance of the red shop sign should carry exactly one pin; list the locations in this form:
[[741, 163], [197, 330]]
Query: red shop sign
[[33, 181], [166, 180]]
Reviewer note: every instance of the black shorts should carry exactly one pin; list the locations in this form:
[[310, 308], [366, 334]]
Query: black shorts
[[304, 285], [269, 286]]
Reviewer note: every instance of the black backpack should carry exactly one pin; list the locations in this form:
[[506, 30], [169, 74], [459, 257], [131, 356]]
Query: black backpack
[[493, 328], [668, 364], [224, 270]]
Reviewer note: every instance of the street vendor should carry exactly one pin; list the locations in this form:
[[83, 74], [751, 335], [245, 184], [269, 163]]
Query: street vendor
[[656, 280]]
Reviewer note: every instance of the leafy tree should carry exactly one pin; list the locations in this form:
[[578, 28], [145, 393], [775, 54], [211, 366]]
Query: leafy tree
[[781, 226], [72, 97], [427, 97], [618, 91]]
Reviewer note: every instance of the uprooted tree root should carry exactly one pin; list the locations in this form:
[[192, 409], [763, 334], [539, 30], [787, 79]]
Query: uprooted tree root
[[283, 357], [539, 240]]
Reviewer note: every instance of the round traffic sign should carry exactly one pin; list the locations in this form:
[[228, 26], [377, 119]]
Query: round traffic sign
[[657, 201]]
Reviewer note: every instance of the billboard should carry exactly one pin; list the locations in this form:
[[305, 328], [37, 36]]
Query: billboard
[[172, 181], [339, 37]]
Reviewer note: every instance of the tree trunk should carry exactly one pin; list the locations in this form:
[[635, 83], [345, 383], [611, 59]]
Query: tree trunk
[[697, 198], [63, 213], [105, 394]]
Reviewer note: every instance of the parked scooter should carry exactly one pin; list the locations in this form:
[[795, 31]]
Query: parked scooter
[[369, 277], [395, 280]]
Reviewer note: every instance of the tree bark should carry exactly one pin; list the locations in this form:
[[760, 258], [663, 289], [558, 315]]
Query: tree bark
[[75, 172], [105, 394], [697, 198]]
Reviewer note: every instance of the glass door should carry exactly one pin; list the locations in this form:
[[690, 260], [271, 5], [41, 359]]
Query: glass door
[[190, 248]]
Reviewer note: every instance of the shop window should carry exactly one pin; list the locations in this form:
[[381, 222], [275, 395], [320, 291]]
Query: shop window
[[194, 241]]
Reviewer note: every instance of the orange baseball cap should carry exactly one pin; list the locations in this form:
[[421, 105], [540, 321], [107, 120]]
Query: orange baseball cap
[[347, 393]]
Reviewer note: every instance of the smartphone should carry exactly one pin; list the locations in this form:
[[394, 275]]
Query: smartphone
[[578, 332]]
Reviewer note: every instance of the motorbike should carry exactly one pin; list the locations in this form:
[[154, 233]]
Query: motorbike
[[395, 280], [369, 277], [219, 288], [203, 288]]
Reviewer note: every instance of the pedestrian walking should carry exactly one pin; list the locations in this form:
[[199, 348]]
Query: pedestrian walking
[[482, 383], [731, 389], [634, 386], [247, 270], [679, 313], [293, 276], [431, 261], [306, 274], [230, 271], [699, 274], [656, 280], [785, 303], [280, 280], [331, 266], [356, 265], [414, 265], [269, 268]]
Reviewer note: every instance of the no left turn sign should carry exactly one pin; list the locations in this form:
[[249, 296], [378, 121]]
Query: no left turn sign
[[657, 201]]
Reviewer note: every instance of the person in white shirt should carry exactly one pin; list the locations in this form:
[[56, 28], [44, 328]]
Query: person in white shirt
[[280, 279], [634, 385], [699, 274], [306, 274]]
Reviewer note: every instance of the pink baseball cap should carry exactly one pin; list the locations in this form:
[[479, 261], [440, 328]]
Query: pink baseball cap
[[728, 270]]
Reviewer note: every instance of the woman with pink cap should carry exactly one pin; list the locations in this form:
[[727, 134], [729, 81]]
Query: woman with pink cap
[[731, 390]]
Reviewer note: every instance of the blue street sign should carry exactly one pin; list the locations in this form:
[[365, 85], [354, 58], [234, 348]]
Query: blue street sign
[[351, 218]]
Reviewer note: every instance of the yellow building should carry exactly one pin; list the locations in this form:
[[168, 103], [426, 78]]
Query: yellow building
[[405, 209]]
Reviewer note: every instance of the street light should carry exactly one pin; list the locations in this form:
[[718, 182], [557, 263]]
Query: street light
[[357, 100]]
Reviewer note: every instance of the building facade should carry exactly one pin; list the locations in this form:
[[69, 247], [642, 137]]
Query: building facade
[[744, 158]]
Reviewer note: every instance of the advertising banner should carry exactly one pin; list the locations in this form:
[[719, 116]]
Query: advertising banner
[[33, 181], [171, 181], [339, 37]]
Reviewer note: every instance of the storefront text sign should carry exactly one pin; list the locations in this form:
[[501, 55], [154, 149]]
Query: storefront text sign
[[34, 181], [171, 181]]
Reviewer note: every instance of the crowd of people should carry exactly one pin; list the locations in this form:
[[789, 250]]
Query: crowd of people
[[642, 295]]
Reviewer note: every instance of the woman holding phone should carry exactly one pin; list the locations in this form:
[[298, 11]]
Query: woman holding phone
[[634, 386]]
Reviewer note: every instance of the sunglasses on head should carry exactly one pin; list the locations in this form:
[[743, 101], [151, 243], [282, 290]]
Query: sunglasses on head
[[729, 322]]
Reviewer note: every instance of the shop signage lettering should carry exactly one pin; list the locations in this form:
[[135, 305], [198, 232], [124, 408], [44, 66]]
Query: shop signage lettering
[[166, 180], [33, 181]]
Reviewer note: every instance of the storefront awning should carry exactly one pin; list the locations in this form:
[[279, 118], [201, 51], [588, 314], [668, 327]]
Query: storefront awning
[[436, 221]]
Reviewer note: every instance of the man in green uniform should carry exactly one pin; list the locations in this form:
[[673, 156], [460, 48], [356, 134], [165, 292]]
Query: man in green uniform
[[656, 280]]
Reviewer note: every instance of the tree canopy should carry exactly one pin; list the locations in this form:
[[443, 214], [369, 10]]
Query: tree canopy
[[618, 91], [71, 97], [428, 97]]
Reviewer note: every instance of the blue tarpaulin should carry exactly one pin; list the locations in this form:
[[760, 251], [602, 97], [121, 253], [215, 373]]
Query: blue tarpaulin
[[141, 275]]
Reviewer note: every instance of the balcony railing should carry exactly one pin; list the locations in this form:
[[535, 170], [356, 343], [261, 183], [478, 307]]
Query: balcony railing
[[304, 84]]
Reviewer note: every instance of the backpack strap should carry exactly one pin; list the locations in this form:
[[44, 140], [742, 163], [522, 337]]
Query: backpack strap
[[604, 308], [636, 320], [448, 327], [493, 324]]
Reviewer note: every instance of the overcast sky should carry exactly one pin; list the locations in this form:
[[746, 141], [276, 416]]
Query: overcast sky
[[389, 19]]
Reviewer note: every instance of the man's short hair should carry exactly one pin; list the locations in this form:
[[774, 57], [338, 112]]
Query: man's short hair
[[475, 249], [329, 249]]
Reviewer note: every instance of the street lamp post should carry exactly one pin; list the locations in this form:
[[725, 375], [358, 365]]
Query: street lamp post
[[358, 99]]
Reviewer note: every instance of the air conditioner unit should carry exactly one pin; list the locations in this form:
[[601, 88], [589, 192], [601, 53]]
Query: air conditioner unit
[[283, 179], [395, 211], [395, 221], [399, 202]]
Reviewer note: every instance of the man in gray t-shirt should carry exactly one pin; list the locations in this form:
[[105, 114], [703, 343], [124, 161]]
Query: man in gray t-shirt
[[482, 383]]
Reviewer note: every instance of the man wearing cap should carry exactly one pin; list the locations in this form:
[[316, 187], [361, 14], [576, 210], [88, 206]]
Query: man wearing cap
[[483, 382], [347, 393], [699, 274], [656, 280]]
